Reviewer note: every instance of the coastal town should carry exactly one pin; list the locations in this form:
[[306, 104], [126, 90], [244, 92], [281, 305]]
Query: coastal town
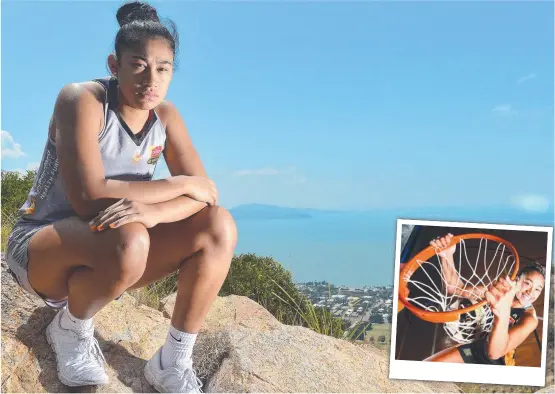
[[369, 304]]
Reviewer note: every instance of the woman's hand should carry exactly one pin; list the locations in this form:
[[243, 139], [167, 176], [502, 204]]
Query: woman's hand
[[452, 278], [202, 189], [123, 212], [442, 244], [500, 296]]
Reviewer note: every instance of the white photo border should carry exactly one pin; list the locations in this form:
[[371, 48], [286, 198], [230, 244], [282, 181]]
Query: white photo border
[[470, 373]]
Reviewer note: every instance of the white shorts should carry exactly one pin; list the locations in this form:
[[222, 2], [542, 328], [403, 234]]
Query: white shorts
[[18, 259]]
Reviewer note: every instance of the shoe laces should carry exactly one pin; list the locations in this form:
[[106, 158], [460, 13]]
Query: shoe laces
[[87, 345], [93, 348], [189, 376]]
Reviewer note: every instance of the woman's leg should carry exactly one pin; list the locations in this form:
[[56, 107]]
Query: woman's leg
[[67, 260], [200, 248], [449, 355]]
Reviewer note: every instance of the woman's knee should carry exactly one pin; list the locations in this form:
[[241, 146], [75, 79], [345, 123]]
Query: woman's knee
[[130, 254], [221, 228]]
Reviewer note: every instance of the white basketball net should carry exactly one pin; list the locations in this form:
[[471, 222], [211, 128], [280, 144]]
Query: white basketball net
[[433, 296]]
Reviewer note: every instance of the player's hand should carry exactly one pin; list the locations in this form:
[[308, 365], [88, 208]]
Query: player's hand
[[202, 189], [500, 296], [441, 245], [122, 212]]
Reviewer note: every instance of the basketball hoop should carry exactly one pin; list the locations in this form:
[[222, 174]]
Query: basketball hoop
[[470, 325], [465, 315]]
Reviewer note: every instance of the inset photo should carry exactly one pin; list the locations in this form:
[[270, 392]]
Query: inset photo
[[471, 300]]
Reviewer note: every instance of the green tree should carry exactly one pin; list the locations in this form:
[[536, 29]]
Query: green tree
[[376, 318], [15, 188]]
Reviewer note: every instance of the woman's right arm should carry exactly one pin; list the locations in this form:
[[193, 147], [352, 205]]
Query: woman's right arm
[[455, 285], [453, 281], [78, 119]]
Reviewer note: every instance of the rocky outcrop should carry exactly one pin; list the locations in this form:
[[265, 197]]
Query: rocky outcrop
[[128, 335], [549, 389], [259, 354], [242, 348]]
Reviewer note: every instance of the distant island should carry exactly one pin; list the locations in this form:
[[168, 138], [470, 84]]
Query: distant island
[[480, 214]]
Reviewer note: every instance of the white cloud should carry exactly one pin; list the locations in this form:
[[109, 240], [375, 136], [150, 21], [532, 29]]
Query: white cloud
[[527, 78], [10, 148], [33, 165], [503, 109], [532, 202]]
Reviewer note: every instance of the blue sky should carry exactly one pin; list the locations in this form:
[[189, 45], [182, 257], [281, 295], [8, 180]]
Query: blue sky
[[351, 105]]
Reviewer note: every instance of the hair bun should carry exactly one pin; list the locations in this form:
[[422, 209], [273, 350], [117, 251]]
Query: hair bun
[[136, 11]]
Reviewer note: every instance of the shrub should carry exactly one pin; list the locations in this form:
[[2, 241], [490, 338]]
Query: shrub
[[265, 281], [359, 330], [259, 278], [15, 188]]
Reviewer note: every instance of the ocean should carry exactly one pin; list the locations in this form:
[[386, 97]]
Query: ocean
[[343, 249], [350, 248]]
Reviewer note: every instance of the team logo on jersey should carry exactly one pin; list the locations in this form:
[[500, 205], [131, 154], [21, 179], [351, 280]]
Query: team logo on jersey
[[155, 152], [31, 209], [512, 320], [137, 158]]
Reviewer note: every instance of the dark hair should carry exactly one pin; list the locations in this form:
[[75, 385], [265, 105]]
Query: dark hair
[[139, 21], [530, 268]]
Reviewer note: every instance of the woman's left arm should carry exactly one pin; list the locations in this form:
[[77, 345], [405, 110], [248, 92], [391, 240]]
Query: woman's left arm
[[503, 339], [181, 156], [520, 331], [182, 159]]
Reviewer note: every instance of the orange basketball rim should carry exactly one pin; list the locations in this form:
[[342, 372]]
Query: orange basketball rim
[[415, 263]]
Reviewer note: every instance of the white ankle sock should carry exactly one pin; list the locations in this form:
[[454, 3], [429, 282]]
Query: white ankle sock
[[70, 322], [178, 347]]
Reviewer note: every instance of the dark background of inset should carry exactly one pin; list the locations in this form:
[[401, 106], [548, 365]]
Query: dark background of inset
[[415, 337]]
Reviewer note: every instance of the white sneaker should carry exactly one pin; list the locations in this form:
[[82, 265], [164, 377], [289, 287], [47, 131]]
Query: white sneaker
[[172, 380], [79, 358]]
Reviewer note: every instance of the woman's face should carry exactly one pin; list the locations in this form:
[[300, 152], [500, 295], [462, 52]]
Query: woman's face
[[531, 286], [144, 74]]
